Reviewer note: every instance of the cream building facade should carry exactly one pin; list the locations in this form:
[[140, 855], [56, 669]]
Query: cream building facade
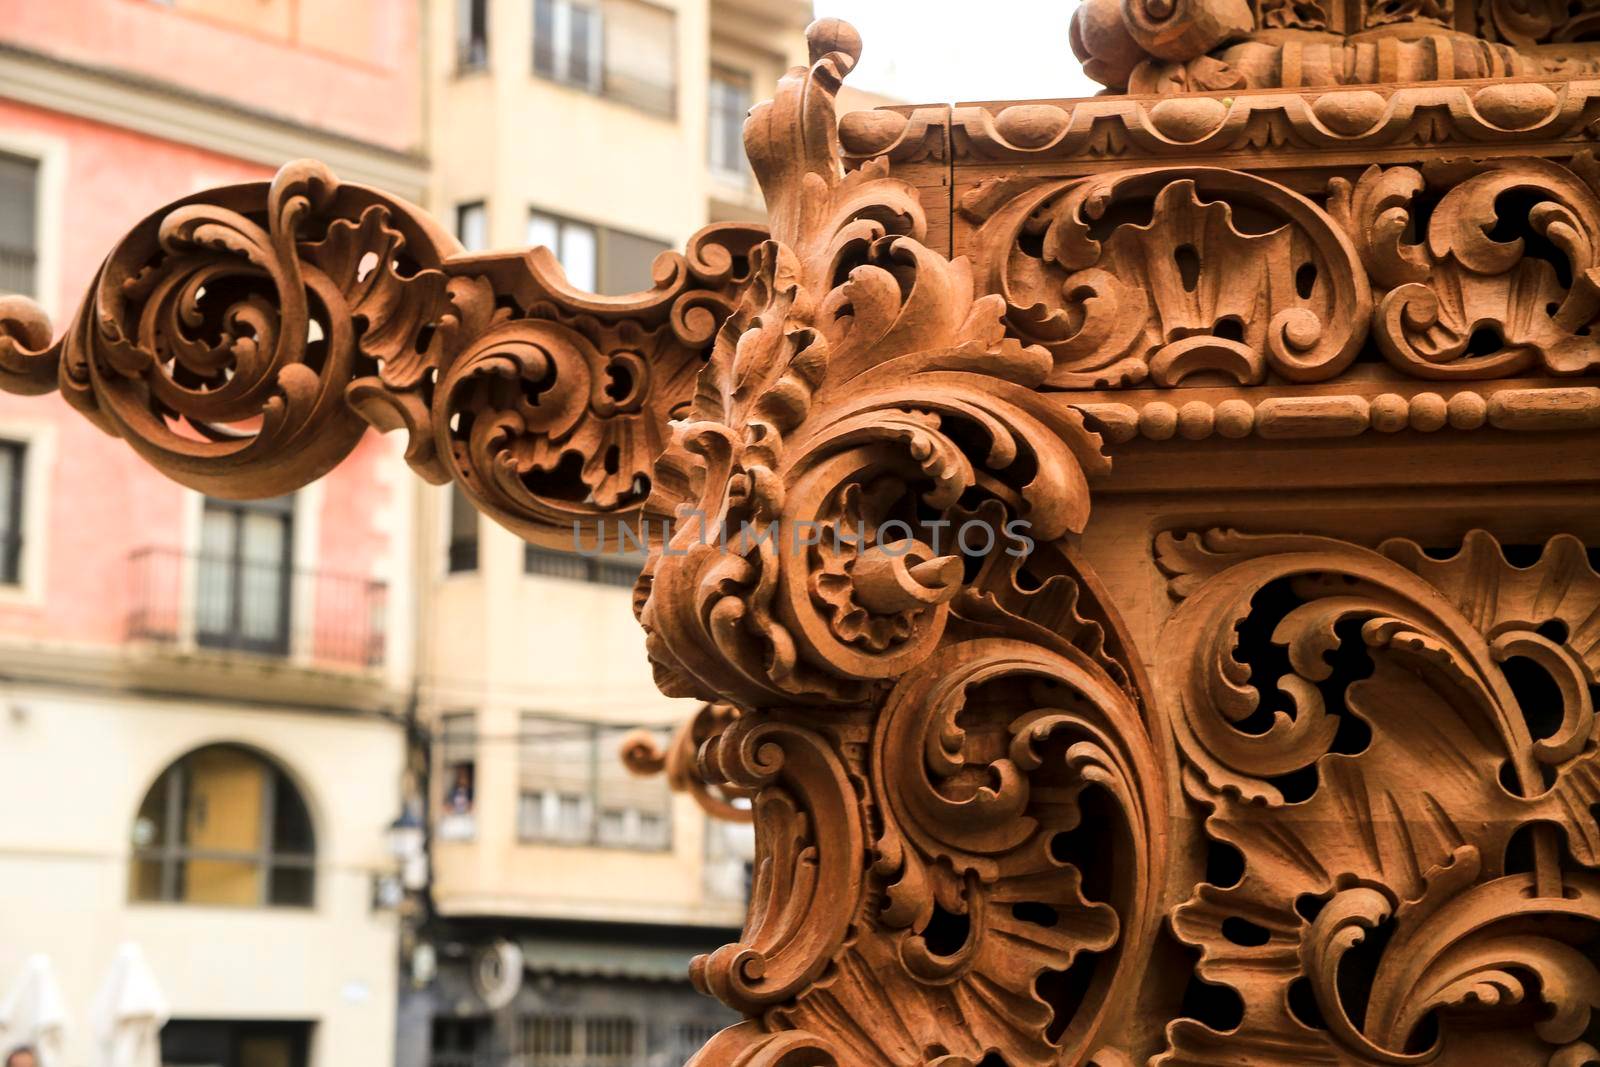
[[608, 130]]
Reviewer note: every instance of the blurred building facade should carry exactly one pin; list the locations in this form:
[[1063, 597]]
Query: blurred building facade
[[568, 898], [201, 738], [209, 711]]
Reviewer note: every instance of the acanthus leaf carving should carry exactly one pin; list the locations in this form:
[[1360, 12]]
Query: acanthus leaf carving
[[1342, 714], [1506, 278], [837, 405], [1116, 297]]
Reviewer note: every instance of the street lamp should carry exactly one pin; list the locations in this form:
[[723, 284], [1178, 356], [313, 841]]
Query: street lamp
[[406, 837]]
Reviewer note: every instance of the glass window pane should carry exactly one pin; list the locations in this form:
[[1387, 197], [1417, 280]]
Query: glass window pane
[[19, 182], [544, 38], [291, 887], [150, 827], [264, 559], [583, 60], [291, 822], [214, 578], [544, 230], [472, 33], [463, 547], [579, 255], [472, 226]]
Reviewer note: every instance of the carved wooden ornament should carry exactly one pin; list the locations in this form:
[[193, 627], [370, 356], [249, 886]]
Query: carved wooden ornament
[[1245, 782]]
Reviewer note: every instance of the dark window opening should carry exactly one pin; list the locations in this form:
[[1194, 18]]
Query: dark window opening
[[214, 1043], [472, 35], [12, 483], [463, 549]]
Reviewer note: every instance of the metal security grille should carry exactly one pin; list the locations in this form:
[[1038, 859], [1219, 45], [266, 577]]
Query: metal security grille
[[621, 571], [570, 1041]]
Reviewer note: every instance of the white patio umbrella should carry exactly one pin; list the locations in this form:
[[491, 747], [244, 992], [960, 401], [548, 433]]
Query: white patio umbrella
[[33, 1014], [128, 1013]]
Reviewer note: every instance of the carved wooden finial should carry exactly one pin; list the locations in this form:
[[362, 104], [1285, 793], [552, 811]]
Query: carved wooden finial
[[829, 35]]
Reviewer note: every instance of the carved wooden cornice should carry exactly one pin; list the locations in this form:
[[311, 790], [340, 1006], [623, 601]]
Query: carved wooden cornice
[[1308, 793]]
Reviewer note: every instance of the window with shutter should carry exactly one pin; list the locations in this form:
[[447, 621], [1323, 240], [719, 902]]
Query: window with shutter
[[19, 220], [729, 100]]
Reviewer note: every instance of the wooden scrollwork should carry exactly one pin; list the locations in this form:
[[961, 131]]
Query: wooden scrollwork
[[1505, 279], [1117, 295], [1404, 750], [243, 339], [984, 832]]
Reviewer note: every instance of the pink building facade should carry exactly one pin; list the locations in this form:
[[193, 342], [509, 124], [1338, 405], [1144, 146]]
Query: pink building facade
[[199, 718]]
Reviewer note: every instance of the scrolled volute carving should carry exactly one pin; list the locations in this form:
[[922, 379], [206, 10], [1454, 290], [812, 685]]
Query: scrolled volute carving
[[1402, 746], [1219, 272], [1506, 278], [857, 393], [242, 340], [642, 753]]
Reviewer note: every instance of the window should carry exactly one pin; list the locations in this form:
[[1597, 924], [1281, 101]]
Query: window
[[625, 50], [567, 43], [458, 769], [573, 788], [212, 1043], [462, 553], [626, 262], [12, 483], [19, 215], [245, 574], [472, 35], [472, 225], [620, 571], [730, 100], [575, 244], [224, 826], [565, 1040], [597, 260], [461, 1041], [689, 1037]]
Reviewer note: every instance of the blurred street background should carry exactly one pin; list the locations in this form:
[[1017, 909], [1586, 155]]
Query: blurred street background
[[331, 780]]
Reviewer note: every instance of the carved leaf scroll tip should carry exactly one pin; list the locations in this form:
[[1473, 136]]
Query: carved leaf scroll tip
[[29, 364]]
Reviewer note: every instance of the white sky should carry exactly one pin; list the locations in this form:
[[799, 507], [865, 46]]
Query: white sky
[[942, 51]]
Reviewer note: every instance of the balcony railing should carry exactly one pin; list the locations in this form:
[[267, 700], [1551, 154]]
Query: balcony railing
[[263, 608]]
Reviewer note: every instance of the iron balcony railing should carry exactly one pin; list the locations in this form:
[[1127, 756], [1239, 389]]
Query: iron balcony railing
[[265, 608]]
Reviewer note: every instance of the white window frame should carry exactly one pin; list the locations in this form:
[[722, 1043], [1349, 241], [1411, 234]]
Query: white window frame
[[306, 532], [736, 171], [38, 441], [563, 224], [50, 153], [561, 46]]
